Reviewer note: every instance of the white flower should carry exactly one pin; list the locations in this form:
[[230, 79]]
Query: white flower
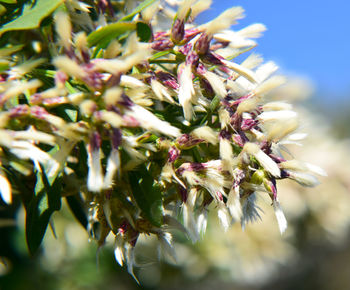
[[95, 174], [281, 219], [186, 91], [165, 240], [234, 204], [206, 133], [224, 216], [150, 122], [250, 210], [263, 158], [5, 189], [113, 166]]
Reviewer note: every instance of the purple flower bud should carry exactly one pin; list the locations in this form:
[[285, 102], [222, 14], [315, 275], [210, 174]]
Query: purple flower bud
[[196, 166], [116, 138], [186, 141], [277, 159], [238, 140], [36, 99], [192, 58], [185, 50], [162, 44], [173, 154], [126, 101], [247, 124], [60, 78], [202, 44], [130, 121], [183, 194], [19, 111], [38, 112], [95, 141], [201, 69], [190, 34], [207, 89], [167, 79], [219, 196], [54, 101], [225, 134], [178, 31], [212, 58], [239, 177]]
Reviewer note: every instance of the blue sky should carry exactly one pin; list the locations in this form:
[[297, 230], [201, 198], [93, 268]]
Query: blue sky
[[310, 38]]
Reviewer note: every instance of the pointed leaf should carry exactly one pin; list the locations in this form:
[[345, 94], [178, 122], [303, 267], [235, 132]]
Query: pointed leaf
[[41, 207], [138, 9], [144, 32], [32, 15], [76, 207], [105, 34], [147, 194]]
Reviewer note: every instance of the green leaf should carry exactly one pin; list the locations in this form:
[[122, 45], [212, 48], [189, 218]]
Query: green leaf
[[9, 1], [144, 32], [105, 34], [41, 207], [147, 194], [32, 16], [4, 65], [8, 50], [77, 208], [138, 9]]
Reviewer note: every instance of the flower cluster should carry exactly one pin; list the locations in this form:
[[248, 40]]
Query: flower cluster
[[138, 122]]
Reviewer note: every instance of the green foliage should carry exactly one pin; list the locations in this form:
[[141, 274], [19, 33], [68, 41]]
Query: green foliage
[[147, 194], [31, 16], [47, 199], [105, 34]]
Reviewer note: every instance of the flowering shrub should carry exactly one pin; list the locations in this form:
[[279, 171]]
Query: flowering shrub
[[140, 127]]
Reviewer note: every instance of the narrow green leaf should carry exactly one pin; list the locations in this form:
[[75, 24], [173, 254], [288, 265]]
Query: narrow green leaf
[[76, 207], [144, 32], [41, 207], [105, 34], [9, 1], [32, 16], [147, 194], [138, 9], [4, 65], [8, 50]]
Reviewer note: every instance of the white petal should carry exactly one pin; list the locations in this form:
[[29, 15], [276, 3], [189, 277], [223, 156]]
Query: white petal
[[277, 115], [202, 222], [281, 219], [165, 240], [224, 216], [95, 176], [190, 223], [186, 91], [234, 204], [150, 122], [113, 166], [5, 190], [206, 133], [263, 159]]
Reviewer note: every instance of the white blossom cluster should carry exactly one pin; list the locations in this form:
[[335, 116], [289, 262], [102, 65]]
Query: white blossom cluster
[[141, 130]]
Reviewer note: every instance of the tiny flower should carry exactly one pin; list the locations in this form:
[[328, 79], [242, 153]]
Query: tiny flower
[[95, 175], [150, 122], [206, 133], [224, 216], [263, 158], [250, 210], [5, 189], [281, 219], [186, 91]]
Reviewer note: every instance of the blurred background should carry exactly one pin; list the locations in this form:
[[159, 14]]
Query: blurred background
[[309, 41]]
